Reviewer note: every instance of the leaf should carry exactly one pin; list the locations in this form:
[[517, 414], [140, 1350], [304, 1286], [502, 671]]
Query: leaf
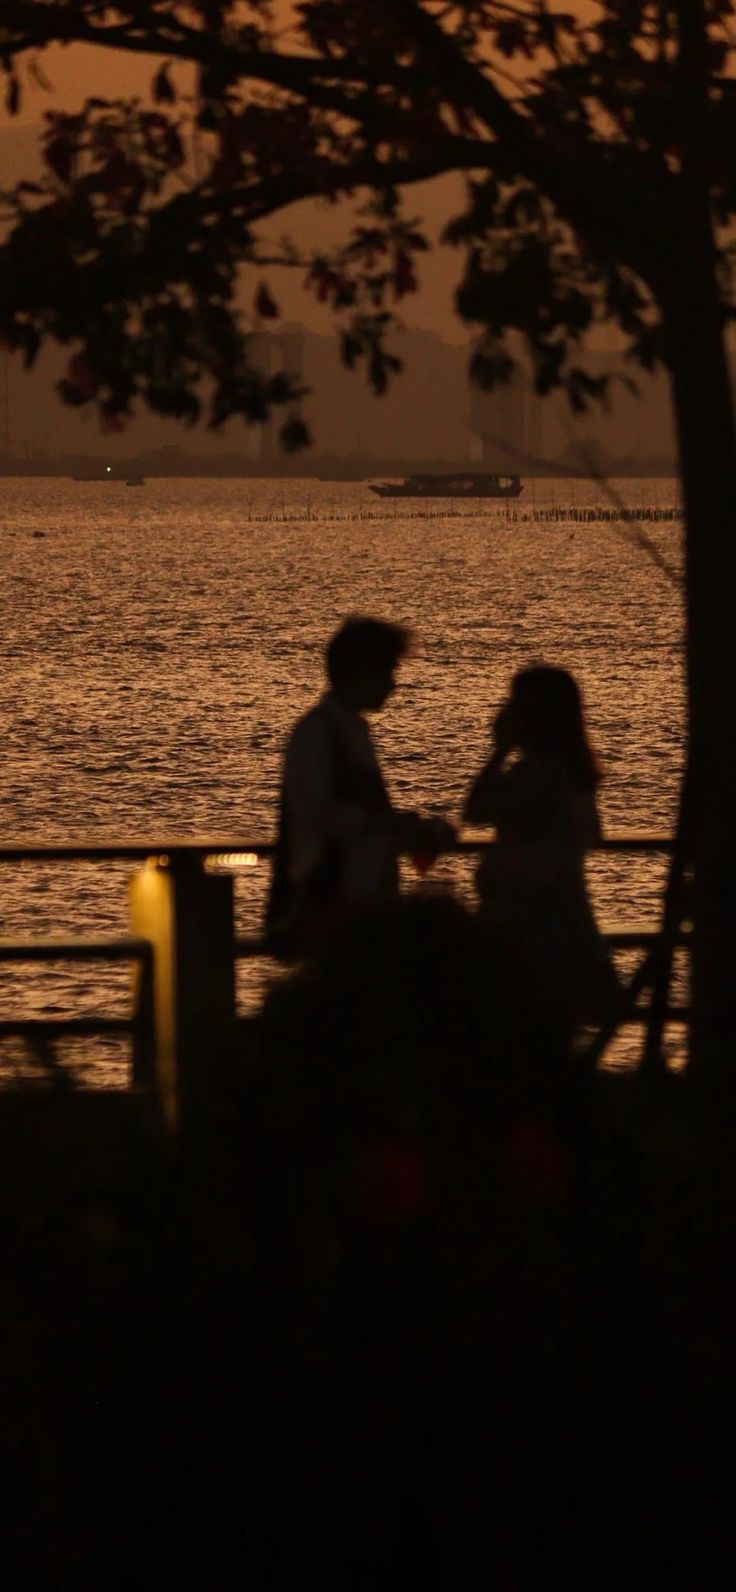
[[512, 37], [405, 279], [164, 92], [351, 349], [345, 293], [264, 305], [29, 341], [81, 375], [112, 419], [122, 179], [69, 394], [294, 435], [323, 280], [58, 153], [582, 388], [279, 389]]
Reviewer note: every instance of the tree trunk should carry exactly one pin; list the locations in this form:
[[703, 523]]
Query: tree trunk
[[708, 466], [707, 446]]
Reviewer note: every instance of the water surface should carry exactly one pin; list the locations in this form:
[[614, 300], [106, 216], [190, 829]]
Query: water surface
[[157, 644]]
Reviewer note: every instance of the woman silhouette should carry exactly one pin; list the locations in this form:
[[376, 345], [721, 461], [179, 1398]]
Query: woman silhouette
[[539, 790]]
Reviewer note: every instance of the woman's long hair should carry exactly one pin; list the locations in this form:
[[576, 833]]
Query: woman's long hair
[[548, 714]]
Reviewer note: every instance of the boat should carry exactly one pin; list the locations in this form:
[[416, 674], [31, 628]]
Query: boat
[[462, 484]]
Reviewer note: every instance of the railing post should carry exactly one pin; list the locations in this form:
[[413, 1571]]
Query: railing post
[[672, 915], [143, 1069], [188, 917]]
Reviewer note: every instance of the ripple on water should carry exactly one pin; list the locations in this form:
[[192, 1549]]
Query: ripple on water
[[152, 662]]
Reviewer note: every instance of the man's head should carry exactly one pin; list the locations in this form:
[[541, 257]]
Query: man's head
[[362, 658]]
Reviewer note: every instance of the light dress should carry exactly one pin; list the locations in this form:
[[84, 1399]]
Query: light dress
[[532, 883]]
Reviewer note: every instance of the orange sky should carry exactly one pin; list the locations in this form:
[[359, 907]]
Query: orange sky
[[77, 71]]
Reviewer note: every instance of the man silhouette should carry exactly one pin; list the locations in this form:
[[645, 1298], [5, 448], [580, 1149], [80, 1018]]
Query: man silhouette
[[339, 835]]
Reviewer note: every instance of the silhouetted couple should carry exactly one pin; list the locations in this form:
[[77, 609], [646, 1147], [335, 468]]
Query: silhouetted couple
[[340, 835]]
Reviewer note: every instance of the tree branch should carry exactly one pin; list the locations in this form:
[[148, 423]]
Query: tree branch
[[596, 205], [581, 184], [295, 73], [263, 199]]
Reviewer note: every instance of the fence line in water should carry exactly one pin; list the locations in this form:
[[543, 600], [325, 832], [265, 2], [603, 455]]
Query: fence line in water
[[542, 516]]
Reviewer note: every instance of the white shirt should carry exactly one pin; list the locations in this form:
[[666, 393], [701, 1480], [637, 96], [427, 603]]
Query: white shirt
[[316, 812]]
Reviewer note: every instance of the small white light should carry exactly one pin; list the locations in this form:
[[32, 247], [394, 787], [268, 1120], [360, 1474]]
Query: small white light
[[108, 468], [234, 859]]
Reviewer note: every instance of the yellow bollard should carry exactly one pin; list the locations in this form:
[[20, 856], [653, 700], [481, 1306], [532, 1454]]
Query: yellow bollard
[[188, 917]]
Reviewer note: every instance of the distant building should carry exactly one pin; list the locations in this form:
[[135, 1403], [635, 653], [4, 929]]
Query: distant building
[[506, 424], [429, 417], [269, 354], [291, 344]]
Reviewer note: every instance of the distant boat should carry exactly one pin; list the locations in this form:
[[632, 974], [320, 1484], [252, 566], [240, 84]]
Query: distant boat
[[463, 484], [136, 480]]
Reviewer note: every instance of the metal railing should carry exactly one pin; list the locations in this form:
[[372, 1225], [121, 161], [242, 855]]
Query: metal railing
[[41, 1032], [168, 945]]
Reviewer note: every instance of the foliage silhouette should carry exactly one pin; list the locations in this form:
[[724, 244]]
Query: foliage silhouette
[[597, 145]]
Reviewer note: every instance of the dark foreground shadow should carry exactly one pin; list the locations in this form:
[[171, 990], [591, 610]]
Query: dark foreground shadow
[[415, 1310]]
